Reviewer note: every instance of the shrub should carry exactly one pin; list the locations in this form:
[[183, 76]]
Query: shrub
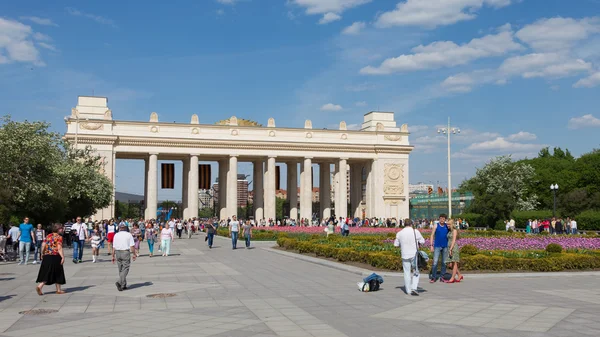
[[554, 248], [544, 233], [588, 220], [474, 219], [468, 250]]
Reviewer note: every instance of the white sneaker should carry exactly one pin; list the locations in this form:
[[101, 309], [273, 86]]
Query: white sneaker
[[35, 262], [21, 263]]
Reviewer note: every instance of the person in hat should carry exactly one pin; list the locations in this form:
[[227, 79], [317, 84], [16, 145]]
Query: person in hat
[[123, 248]]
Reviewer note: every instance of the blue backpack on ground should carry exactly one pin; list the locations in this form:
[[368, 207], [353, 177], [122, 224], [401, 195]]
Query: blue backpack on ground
[[374, 281]]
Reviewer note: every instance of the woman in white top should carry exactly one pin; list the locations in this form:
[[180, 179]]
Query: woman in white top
[[166, 237], [110, 234]]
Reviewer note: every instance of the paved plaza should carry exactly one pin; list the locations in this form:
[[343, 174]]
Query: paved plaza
[[259, 292]]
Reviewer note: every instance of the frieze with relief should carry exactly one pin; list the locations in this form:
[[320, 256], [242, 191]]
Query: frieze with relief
[[393, 184]]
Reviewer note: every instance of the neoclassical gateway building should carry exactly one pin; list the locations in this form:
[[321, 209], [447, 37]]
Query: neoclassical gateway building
[[373, 160]]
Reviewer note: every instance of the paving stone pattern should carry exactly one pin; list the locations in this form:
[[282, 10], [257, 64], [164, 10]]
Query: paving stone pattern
[[257, 292]]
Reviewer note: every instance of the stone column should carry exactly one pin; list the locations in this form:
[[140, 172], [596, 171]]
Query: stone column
[[292, 188], [192, 187], [369, 191], [185, 201], [270, 202], [232, 193], [336, 189], [152, 192], [259, 190], [325, 189], [356, 188], [342, 210], [306, 190], [223, 169]]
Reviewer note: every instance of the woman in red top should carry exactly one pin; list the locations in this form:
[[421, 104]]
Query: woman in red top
[[51, 270]]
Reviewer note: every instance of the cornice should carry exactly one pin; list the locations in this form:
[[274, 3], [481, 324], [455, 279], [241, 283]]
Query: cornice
[[239, 144], [146, 125]]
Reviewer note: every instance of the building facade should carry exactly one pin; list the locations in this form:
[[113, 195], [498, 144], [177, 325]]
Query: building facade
[[379, 151]]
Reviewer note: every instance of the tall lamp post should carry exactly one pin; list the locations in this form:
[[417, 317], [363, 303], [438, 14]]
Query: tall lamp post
[[554, 188], [447, 131]]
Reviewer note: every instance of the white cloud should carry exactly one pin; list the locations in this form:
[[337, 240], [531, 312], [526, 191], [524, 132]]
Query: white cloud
[[441, 54], [327, 6], [503, 145], [331, 107], [507, 27], [97, 18], [354, 28], [431, 14], [585, 121], [459, 83], [220, 12], [16, 43], [551, 65], [362, 103], [521, 136], [329, 17], [47, 46], [558, 33], [227, 2], [588, 82], [39, 21]]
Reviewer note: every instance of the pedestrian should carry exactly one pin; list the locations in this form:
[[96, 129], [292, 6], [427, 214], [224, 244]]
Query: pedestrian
[[573, 227], [234, 228], [453, 252], [40, 234], [439, 246], [210, 233], [123, 248], [137, 237], [51, 270], [26, 238], [247, 233], [95, 243], [67, 238], [13, 235], [190, 225], [179, 228], [150, 236], [110, 234], [408, 239], [80, 236], [166, 237]]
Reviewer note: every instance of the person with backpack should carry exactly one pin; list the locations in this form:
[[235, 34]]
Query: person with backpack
[[408, 239]]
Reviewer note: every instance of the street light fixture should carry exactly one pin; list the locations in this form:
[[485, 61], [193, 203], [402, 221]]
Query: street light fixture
[[448, 131], [554, 188]]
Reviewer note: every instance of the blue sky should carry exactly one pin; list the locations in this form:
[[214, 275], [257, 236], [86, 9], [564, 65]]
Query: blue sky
[[514, 75]]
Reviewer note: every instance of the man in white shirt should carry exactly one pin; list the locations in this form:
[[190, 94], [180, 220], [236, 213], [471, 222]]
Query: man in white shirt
[[123, 247], [80, 235], [573, 226], [234, 229], [407, 240]]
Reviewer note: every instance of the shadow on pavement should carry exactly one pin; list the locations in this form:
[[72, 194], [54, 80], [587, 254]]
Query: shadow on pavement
[[7, 297], [139, 285], [76, 289]]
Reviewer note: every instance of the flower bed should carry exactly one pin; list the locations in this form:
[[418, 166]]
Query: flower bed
[[494, 254]]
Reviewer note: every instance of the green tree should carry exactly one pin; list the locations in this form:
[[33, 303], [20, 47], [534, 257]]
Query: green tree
[[279, 208], [44, 178], [205, 212], [500, 187]]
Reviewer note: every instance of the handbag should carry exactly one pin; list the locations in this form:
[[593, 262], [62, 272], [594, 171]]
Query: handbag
[[420, 260]]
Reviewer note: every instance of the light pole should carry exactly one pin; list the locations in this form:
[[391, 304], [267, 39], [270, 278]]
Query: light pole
[[554, 188], [447, 131]]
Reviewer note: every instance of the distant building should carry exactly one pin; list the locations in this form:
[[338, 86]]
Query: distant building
[[419, 188], [206, 199], [242, 191]]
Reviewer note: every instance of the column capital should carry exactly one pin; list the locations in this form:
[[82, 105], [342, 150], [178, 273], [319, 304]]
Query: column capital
[[153, 154], [233, 155], [343, 158], [308, 157], [194, 155]]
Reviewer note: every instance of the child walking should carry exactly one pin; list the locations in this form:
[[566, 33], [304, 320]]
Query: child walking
[[95, 241]]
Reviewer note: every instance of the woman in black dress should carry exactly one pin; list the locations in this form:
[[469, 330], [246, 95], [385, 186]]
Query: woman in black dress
[[51, 270]]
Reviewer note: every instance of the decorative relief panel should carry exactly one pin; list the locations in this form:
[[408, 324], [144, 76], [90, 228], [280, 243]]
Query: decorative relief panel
[[235, 132], [393, 138], [108, 114], [393, 184], [309, 135], [194, 119], [379, 127], [271, 123], [92, 126], [154, 117], [271, 133], [344, 136], [195, 131], [308, 124], [154, 129]]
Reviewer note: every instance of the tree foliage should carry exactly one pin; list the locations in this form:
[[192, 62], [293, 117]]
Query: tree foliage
[[500, 187], [43, 177]]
